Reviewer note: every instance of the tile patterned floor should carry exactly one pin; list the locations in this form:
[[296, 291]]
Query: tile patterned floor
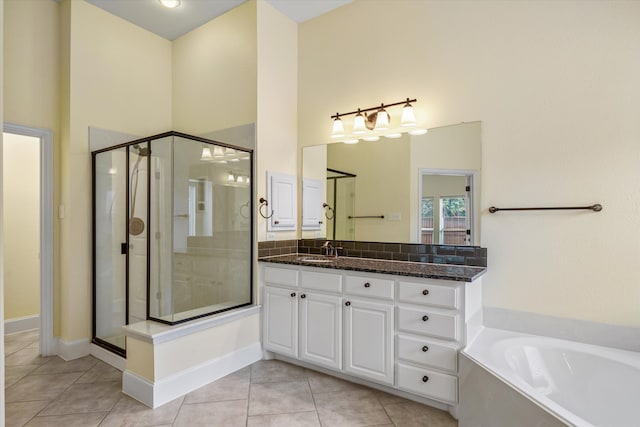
[[86, 392]]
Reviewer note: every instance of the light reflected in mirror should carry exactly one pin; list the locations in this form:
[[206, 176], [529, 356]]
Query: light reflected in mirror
[[384, 191]]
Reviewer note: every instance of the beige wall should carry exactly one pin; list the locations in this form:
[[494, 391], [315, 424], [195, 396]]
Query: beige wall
[[277, 129], [30, 84], [555, 86], [214, 73], [21, 228], [119, 77]]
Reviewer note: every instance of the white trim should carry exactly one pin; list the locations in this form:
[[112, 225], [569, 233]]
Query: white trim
[[21, 324], [118, 362], [157, 333], [157, 393], [69, 350], [47, 341]]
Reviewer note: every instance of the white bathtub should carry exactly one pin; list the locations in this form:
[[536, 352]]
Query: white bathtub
[[580, 384]]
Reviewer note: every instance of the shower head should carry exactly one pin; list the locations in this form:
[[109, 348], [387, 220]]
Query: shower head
[[142, 151]]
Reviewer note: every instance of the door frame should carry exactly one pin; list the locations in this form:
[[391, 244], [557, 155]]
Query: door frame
[[48, 343], [472, 180]]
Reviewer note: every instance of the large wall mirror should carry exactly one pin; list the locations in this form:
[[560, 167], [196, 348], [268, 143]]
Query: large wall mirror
[[414, 189]]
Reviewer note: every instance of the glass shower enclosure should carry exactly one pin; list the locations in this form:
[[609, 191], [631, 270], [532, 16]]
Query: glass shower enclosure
[[172, 232]]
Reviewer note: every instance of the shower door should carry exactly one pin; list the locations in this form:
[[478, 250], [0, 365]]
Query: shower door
[[110, 213], [120, 242]]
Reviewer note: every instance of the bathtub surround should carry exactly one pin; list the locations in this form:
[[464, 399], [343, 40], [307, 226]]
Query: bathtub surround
[[485, 400], [416, 252], [615, 336]]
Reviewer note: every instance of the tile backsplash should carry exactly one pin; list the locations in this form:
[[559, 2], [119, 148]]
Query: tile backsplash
[[438, 254]]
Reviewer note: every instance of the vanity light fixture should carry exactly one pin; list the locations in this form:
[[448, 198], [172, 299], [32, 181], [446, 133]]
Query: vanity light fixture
[[382, 120], [408, 116], [359, 127], [218, 151], [206, 154], [338, 128], [369, 124], [170, 4]]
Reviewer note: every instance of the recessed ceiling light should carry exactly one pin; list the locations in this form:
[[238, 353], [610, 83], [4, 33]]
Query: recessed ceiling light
[[171, 4]]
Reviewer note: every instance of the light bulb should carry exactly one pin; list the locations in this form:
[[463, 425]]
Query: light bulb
[[358, 124], [382, 120], [371, 138], [351, 141], [170, 4], [393, 135], [218, 152], [246, 179], [240, 180], [417, 132], [230, 177], [408, 116], [338, 128]]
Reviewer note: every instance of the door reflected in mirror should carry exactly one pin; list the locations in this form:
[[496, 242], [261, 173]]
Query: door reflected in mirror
[[377, 193]]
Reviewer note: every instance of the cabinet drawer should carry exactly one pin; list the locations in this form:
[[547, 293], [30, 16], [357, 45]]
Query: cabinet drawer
[[435, 385], [427, 323], [428, 353], [321, 281], [280, 276], [370, 287], [181, 264], [428, 294]]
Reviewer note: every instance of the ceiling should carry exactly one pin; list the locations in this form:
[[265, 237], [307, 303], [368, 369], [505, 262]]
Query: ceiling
[[173, 23]]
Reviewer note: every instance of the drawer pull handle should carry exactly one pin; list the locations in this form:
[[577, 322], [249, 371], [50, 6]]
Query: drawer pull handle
[[425, 379], [367, 285], [425, 348], [425, 318], [303, 296], [425, 292], [348, 303], [293, 294]]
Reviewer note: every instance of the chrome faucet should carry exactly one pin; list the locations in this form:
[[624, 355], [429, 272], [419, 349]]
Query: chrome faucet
[[329, 249]]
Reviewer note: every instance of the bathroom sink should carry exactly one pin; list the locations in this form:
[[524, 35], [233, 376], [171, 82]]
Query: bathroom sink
[[316, 259]]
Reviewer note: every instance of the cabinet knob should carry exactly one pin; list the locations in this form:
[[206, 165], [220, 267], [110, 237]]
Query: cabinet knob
[[425, 292], [425, 318], [425, 379], [276, 222], [348, 303], [367, 285], [303, 296], [293, 294], [425, 348], [319, 222]]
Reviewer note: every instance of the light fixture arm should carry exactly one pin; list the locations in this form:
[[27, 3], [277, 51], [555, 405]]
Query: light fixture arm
[[382, 106]]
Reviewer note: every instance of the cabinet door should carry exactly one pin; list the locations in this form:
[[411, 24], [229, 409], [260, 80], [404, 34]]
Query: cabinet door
[[321, 329], [312, 195], [369, 340], [280, 319], [282, 196]]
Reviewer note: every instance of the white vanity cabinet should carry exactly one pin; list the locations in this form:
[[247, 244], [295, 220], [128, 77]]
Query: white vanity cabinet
[[369, 339], [399, 331]]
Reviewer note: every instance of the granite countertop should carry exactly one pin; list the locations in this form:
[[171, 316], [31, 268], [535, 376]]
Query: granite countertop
[[459, 273]]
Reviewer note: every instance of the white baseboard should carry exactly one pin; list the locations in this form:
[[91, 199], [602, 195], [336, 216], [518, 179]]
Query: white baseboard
[[157, 393], [118, 362], [69, 350], [21, 324]]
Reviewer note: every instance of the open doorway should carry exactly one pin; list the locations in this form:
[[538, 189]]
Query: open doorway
[[27, 193]]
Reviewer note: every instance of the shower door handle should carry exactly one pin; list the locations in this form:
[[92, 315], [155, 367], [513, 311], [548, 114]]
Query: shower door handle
[[123, 248]]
